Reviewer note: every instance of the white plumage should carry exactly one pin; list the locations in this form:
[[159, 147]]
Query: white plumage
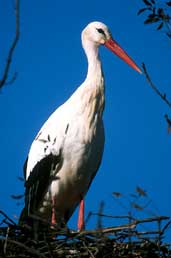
[[67, 151]]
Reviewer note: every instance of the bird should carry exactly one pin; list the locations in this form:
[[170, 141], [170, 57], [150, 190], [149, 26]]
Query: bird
[[67, 151]]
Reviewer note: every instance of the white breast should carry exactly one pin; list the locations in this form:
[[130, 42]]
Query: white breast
[[72, 130]]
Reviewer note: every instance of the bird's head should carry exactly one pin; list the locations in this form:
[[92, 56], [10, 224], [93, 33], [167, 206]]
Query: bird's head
[[97, 33]]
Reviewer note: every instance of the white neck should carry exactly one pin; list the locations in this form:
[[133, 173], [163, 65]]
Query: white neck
[[93, 86], [94, 73], [90, 94]]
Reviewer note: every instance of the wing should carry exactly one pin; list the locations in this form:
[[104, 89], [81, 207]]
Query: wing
[[38, 182], [43, 162]]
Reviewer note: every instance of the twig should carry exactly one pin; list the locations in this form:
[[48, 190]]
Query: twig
[[110, 216], [168, 123], [28, 249], [6, 239], [155, 232], [99, 218], [3, 81], [6, 217], [108, 230], [103, 230], [165, 227], [88, 250], [12, 79], [106, 242], [157, 218], [162, 96]]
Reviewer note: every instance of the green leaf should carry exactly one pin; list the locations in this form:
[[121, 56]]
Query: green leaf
[[142, 10], [147, 2], [168, 3], [160, 12], [140, 191], [137, 206], [168, 34], [117, 194], [151, 16], [151, 20], [160, 26]]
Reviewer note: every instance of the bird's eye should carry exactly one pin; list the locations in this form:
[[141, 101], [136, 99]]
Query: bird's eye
[[101, 31]]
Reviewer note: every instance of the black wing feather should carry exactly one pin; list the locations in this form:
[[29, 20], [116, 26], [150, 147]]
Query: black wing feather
[[25, 167], [38, 182]]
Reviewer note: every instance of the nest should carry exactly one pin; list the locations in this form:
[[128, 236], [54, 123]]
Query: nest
[[122, 241]]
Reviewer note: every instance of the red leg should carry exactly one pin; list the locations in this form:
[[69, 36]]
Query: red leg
[[53, 218], [81, 216]]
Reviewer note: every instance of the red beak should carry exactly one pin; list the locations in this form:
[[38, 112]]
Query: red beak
[[117, 50]]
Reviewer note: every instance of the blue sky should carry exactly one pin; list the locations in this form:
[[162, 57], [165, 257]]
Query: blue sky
[[51, 64]]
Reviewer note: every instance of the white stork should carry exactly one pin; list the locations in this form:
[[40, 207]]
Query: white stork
[[67, 151]]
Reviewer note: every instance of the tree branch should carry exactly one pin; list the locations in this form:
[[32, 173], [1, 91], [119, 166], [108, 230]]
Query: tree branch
[[109, 230], [29, 250], [162, 96], [3, 81], [6, 218]]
